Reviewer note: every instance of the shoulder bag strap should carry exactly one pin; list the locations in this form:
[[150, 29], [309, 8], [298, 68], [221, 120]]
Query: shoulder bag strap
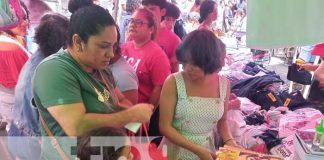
[[54, 142]]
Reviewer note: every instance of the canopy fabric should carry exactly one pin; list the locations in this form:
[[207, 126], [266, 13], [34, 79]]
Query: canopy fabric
[[284, 23]]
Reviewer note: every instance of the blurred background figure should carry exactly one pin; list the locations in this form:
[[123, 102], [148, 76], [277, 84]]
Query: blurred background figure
[[131, 6], [50, 35], [171, 15], [13, 55]]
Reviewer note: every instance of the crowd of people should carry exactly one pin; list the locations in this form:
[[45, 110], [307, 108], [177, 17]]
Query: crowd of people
[[91, 76]]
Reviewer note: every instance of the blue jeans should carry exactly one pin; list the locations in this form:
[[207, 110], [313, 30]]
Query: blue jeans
[[23, 146]]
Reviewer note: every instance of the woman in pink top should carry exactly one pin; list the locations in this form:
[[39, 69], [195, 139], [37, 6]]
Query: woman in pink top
[[146, 57], [13, 56]]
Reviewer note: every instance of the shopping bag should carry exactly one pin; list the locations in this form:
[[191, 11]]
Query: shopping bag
[[143, 146], [296, 74], [11, 14]]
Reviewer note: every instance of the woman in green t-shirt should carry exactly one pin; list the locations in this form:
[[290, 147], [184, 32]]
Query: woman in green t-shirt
[[70, 100]]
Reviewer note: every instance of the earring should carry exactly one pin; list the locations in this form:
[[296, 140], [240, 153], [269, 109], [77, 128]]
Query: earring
[[79, 49]]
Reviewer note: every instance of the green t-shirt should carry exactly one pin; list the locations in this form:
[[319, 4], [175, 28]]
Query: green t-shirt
[[59, 80]]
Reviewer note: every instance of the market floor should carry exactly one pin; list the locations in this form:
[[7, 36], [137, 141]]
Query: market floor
[[277, 64]]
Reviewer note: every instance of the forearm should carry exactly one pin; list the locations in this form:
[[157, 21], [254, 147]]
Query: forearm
[[313, 67], [155, 96], [223, 130], [92, 121]]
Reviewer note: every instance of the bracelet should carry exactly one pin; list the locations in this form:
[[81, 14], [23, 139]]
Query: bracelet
[[228, 140]]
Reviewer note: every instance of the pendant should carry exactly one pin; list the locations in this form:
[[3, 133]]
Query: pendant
[[101, 98], [106, 95]]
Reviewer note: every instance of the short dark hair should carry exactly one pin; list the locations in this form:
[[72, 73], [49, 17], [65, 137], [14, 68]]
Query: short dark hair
[[201, 48], [84, 149], [197, 2], [150, 18], [172, 11], [206, 7], [51, 34], [88, 21], [132, 5], [161, 3], [74, 5]]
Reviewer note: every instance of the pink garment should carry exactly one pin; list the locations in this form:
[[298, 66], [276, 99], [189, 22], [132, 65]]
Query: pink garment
[[169, 42], [150, 64], [11, 63], [318, 50], [305, 118], [286, 149]]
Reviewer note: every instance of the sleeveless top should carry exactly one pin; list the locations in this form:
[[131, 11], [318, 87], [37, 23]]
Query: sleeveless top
[[195, 118]]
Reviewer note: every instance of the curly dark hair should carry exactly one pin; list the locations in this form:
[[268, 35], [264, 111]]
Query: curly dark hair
[[172, 11], [161, 3], [51, 34]]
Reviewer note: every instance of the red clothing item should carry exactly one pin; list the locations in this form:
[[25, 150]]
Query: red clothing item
[[11, 63], [319, 50], [169, 42], [150, 64]]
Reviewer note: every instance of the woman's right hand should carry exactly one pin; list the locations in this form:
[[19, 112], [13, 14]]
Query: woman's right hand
[[142, 112], [307, 66]]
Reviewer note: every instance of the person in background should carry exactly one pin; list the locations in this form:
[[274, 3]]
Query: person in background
[[208, 14], [196, 6], [148, 60], [316, 91], [121, 10], [195, 100], [171, 15], [228, 16], [70, 88], [220, 15], [131, 6], [146, 57], [13, 55], [169, 42], [50, 36], [166, 39], [124, 75], [37, 9], [113, 137], [193, 15]]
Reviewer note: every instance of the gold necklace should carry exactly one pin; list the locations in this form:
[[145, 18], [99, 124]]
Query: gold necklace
[[102, 96]]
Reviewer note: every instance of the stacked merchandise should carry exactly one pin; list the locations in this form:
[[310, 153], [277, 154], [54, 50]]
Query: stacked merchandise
[[234, 153]]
